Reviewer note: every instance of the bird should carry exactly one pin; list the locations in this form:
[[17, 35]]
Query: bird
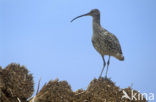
[[105, 43]]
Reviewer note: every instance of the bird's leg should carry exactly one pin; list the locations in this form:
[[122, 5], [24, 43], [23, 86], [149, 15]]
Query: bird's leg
[[107, 65], [104, 64]]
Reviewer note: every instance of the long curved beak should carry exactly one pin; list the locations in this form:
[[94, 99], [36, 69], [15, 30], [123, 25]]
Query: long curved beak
[[87, 14]]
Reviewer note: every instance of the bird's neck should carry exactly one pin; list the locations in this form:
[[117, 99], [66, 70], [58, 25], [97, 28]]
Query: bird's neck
[[96, 24], [96, 19]]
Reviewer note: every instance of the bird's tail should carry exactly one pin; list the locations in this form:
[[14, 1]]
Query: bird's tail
[[120, 57]]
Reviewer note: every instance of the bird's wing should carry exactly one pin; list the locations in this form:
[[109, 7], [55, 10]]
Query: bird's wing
[[112, 42]]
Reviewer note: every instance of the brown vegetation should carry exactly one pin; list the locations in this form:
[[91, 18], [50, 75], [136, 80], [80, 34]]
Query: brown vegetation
[[16, 85]]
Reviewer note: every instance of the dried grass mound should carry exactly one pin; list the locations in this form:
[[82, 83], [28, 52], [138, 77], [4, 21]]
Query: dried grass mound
[[55, 91], [100, 90], [19, 83], [104, 90]]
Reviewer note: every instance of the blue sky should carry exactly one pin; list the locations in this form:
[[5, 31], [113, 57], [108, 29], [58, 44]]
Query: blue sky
[[38, 34]]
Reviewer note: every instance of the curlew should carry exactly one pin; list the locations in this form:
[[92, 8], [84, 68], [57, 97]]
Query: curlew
[[103, 41]]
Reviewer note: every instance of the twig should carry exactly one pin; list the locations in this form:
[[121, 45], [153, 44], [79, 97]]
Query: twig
[[33, 100], [38, 87], [18, 99]]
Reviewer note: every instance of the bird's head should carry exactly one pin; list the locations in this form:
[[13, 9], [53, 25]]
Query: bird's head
[[93, 13]]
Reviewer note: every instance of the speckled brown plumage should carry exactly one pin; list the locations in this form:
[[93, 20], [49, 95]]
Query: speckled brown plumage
[[103, 41], [106, 43]]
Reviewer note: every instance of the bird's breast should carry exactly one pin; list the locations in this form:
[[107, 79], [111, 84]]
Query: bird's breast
[[99, 45]]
